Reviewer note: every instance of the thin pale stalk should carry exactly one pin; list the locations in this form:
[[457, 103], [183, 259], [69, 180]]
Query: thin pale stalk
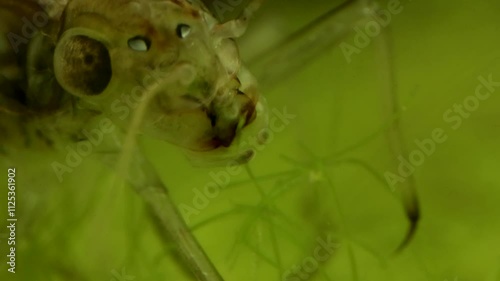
[[408, 190], [173, 230]]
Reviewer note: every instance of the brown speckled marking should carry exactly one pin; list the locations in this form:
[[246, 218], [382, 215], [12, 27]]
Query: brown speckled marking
[[179, 3], [195, 14], [186, 5]]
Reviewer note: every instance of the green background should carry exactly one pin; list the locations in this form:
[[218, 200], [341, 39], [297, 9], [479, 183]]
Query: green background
[[93, 225]]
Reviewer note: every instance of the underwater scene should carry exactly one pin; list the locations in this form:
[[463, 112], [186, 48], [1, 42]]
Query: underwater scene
[[276, 140]]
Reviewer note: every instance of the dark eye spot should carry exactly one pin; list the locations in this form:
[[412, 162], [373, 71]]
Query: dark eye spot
[[86, 65], [183, 30], [213, 118], [139, 43], [88, 59]]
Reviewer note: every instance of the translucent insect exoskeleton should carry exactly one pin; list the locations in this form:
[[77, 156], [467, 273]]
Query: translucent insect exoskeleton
[[170, 55]]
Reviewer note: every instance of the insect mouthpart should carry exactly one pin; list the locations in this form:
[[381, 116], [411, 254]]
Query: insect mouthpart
[[229, 118]]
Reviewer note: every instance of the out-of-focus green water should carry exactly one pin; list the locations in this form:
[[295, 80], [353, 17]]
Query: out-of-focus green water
[[93, 227]]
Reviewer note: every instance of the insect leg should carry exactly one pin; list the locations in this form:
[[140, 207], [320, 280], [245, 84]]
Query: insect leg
[[250, 9], [236, 27], [300, 48], [144, 179], [271, 67]]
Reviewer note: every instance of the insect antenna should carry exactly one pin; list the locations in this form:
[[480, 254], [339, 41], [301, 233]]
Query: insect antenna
[[408, 190], [134, 127]]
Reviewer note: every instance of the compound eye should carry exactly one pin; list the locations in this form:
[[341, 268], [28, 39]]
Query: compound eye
[[183, 30], [82, 65], [139, 43]]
